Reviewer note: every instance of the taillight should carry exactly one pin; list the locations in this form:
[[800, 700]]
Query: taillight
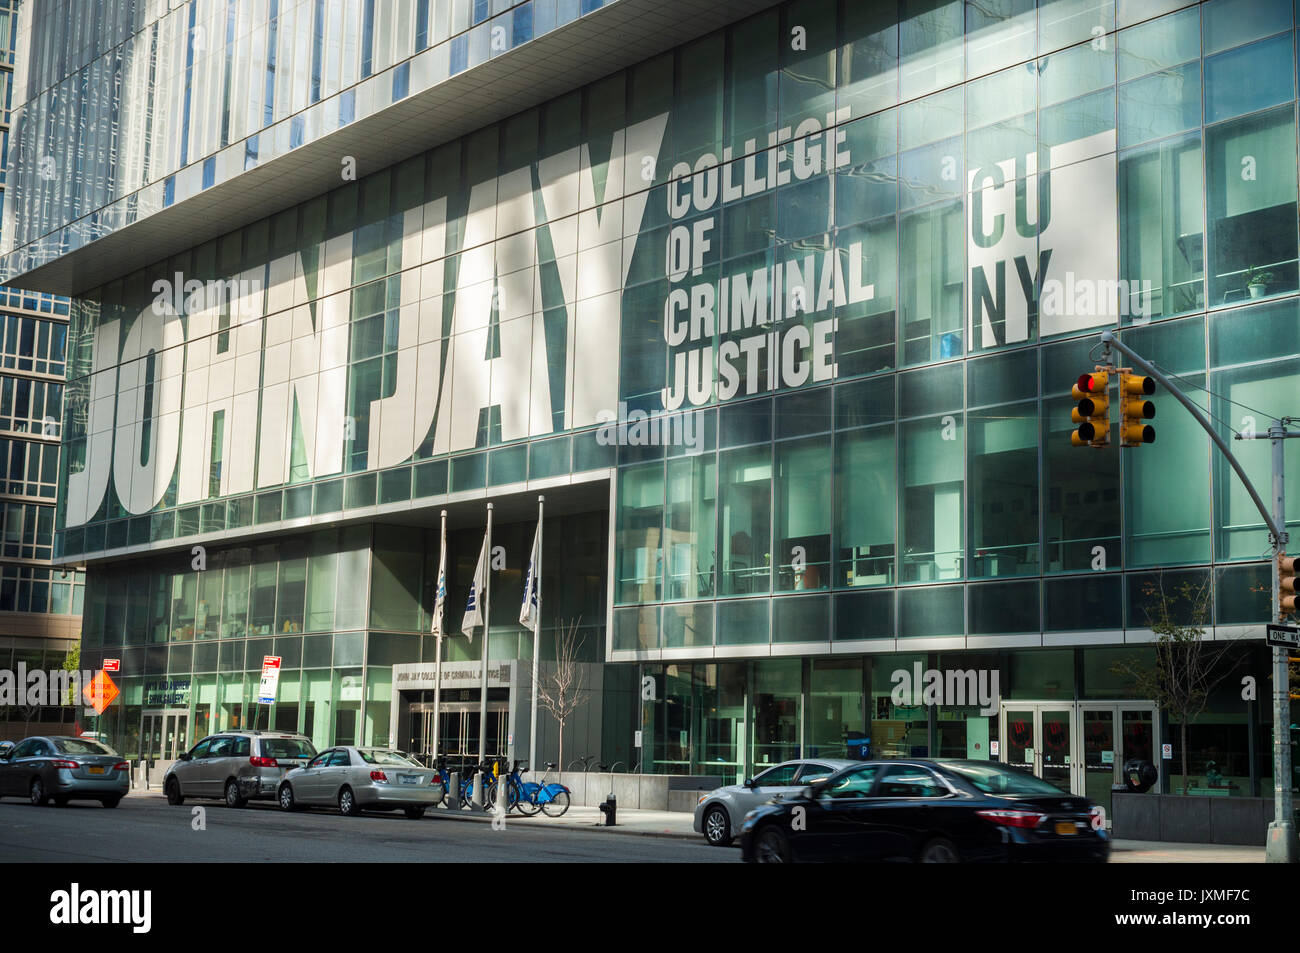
[[378, 776], [70, 765], [263, 762], [122, 766], [1013, 818], [435, 780]]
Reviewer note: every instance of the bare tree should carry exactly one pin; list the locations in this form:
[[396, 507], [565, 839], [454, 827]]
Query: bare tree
[[560, 690], [1187, 668]]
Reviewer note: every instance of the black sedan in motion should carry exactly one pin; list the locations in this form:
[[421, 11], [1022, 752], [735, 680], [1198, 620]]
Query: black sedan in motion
[[927, 812]]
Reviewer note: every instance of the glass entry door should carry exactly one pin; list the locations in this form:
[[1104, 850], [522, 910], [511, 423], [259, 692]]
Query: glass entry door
[[458, 731], [163, 734], [1037, 738], [1080, 747], [1113, 733]]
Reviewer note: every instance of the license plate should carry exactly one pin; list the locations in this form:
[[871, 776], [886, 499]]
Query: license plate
[[1066, 827], [96, 769], [409, 778]]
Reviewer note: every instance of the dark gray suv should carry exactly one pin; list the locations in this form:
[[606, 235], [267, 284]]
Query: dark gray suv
[[236, 766]]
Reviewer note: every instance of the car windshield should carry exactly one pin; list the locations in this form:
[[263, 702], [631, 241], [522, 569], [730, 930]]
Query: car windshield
[[380, 756], [81, 746], [1004, 782], [287, 748]]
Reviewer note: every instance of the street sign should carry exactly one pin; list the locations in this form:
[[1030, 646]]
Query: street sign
[[270, 679], [100, 692], [1283, 636], [112, 665]]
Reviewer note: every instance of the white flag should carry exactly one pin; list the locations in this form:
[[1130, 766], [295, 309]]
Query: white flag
[[474, 607], [440, 602], [531, 608]]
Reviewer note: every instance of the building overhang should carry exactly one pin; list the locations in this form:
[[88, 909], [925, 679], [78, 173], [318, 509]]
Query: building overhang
[[596, 45]]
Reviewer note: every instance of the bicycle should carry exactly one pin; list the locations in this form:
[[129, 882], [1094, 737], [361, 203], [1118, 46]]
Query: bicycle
[[466, 791], [529, 797]]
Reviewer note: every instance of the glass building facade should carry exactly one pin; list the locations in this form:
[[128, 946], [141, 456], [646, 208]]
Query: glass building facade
[[40, 604], [787, 318]]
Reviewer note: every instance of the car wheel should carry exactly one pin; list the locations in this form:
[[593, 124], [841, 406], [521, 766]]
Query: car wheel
[[772, 846], [36, 793], [233, 797], [717, 827], [174, 796], [111, 801], [939, 851], [286, 798], [415, 812], [348, 803]]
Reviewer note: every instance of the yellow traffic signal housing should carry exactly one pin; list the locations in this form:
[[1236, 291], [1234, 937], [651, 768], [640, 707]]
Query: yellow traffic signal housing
[[1135, 409], [1091, 414], [1286, 583]]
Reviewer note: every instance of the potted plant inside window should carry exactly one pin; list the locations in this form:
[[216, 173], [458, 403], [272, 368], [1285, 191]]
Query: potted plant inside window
[[1257, 281]]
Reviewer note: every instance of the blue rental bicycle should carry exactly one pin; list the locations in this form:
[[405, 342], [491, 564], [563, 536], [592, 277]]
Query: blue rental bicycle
[[529, 797], [466, 782]]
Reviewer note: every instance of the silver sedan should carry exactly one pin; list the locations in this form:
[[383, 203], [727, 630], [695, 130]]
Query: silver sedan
[[63, 769], [719, 813], [357, 779]]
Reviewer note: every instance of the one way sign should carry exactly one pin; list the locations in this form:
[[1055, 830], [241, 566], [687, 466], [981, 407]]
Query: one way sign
[[1283, 636]]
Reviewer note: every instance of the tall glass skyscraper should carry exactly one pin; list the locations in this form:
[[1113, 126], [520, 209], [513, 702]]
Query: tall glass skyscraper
[[40, 602], [778, 306]]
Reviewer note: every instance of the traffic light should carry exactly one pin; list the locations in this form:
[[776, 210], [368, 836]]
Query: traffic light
[[1134, 409], [1091, 416], [1286, 583]]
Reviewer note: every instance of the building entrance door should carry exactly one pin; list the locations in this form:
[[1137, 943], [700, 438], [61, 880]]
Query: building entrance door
[[1111, 733], [458, 732], [1080, 747], [1037, 737], [163, 732]]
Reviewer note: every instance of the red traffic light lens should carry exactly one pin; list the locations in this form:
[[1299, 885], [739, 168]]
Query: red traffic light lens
[[1086, 383]]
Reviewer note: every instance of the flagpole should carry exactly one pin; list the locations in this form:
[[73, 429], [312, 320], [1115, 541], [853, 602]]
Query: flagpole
[[437, 668], [537, 639], [487, 619]]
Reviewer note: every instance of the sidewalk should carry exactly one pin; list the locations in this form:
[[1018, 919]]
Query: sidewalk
[[645, 823]]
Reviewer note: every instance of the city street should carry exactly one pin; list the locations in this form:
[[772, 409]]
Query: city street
[[148, 829]]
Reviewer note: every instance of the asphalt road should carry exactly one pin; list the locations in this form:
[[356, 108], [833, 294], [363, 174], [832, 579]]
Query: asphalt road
[[147, 829]]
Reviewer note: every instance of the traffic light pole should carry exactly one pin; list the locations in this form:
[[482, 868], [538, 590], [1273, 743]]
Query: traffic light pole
[[1281, 845]]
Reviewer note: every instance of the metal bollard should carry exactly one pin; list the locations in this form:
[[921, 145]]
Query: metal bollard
[[453, 795], [478, 790]]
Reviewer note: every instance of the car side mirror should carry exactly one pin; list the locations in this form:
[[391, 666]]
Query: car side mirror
[[749, 783], [184, 756], [817, 787]]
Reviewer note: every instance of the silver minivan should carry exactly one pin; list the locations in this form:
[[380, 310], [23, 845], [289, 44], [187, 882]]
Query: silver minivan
[[236, 766]]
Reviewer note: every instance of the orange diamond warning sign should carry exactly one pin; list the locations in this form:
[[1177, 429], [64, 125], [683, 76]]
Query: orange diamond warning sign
[[100, 692]]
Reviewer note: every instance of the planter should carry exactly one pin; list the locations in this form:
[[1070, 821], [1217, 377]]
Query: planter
[[1256, 290], [1191, 819]]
